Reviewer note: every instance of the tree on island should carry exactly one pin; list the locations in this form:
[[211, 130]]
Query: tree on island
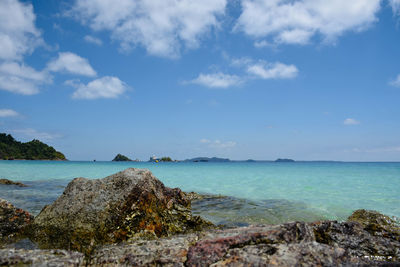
[[165, 159], [121, 157], [33, 150]]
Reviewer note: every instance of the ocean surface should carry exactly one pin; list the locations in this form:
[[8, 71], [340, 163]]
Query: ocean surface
[[255, 192]]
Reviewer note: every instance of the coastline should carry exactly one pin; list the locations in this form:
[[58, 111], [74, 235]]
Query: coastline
[[320, 242]]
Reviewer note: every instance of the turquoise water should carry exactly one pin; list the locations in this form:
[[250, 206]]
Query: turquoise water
[[261, 191]]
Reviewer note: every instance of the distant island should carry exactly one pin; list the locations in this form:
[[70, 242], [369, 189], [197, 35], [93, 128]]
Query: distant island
[[162, 159], [284, 160], [121, 157], [206, 159], [11, 149]]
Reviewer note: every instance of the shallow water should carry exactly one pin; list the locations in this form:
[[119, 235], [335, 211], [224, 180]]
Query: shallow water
[[261, 192]]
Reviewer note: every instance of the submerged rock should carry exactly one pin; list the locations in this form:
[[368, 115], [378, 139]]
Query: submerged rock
[[13, 221], [9, 182], [127, 205]]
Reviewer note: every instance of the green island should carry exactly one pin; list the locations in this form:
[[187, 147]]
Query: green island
[[11, 149]]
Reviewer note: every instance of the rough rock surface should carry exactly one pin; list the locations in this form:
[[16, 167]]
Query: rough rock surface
[[20, 257], [13, 221], [377, 223], [327, 243], [9, 182], [127, 205]]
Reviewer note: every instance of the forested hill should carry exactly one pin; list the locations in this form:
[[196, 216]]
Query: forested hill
[[33, 150]]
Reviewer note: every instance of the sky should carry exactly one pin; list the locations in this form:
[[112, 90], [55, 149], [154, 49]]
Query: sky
[[241, 79]]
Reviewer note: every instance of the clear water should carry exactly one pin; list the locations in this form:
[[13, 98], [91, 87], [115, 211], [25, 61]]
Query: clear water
[[261, 192]]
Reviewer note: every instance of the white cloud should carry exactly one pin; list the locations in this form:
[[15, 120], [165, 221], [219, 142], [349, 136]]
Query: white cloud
[[8, 113], [161, 26], [395, 6], [93, 40], [218, 144], [72, 63], [296, 22], [396, 82], [34, 134], [105, 87], [21, 79], [276, 70], [18, 33], [217, 80], [350, 121]]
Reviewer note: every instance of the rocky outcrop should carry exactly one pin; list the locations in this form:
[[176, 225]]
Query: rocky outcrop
[[9, 182], [128, 205], [377, 223], [326, 243], [293, 244], [13, 221]]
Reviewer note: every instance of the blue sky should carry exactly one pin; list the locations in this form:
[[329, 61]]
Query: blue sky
[[306, 79]]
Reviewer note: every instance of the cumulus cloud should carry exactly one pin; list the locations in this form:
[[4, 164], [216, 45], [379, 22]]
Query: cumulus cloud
[[161, 26], [18, 33], [218, 144], [217, 80], [93, 40], [8, 113], [297, 22], [395, 6], [276, 70], [105, 87], [18, 37], [21, 79], [71, 63], [351, 121]]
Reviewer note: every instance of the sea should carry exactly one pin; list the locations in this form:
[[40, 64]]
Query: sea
[[241, 193]]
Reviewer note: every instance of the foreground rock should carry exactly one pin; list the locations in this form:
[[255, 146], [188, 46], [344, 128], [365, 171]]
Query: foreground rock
[[13, 221], [13, 257], [292, 244], [124, 206], [9, 182], [327, 243]]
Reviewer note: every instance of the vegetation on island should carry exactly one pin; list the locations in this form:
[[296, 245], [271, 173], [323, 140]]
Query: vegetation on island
[[121, 157], [165, 159], [34, 150]]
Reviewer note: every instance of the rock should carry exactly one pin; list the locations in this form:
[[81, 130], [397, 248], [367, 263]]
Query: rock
[[121, 157], [13, 221], [290, 244], [9, 182], [54, 258], [325, 243], [166, 251], [125, 206], [376, 223]]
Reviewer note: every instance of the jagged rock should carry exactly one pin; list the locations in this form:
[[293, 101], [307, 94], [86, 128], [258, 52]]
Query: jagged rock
[[54, 258], [127, 205], [9, 182], [13, 221], [376, 223]]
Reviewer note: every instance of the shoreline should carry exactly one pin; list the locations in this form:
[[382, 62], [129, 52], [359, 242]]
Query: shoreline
[[151, 223]]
